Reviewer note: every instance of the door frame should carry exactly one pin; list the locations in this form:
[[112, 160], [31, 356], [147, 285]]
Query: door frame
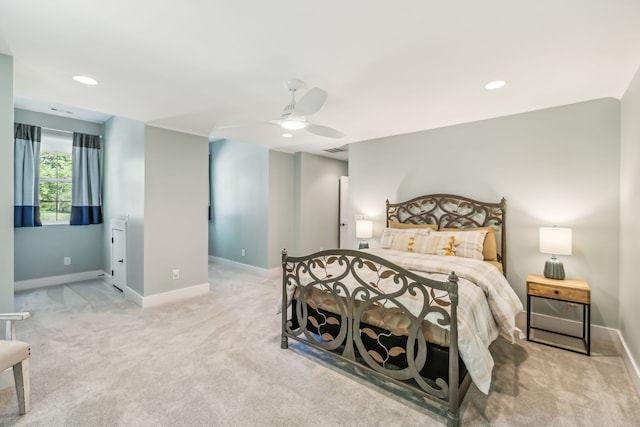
[[343, 218], [121, 225]]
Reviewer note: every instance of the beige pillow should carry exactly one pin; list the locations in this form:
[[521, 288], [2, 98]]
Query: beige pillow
[[410, 243], [404, 239], [437, 244], [395, 224], [467, 244], [489, 247]]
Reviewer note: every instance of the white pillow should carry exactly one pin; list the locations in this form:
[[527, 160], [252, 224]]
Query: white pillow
[[436, 244], [467, 244], [406, 239]]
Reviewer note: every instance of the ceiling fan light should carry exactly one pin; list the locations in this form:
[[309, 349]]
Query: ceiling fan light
[[293, 124]]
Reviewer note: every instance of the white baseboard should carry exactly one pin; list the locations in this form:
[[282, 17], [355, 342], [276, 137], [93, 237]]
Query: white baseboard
[[599, 335], [107, 277], [270, 273], [166, 297], [632, 366], [24, 285]]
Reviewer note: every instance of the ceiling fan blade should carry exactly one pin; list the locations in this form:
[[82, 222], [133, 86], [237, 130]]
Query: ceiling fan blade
[[311, 102], [325, 131]]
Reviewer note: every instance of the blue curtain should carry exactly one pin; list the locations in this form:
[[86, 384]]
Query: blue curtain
[[26, 175], [86, 192]]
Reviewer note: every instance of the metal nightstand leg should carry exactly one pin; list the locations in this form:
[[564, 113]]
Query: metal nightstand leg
[[586, 330], [528, 316], [587, 325]]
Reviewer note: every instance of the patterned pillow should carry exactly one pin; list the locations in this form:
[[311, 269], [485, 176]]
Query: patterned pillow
[[468, 244], [437, 245], [490, 247], [409, 239]]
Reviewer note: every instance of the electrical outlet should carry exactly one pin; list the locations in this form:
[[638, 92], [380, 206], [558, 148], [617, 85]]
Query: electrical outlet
[[243, 252], [176, 274], [67, 260]]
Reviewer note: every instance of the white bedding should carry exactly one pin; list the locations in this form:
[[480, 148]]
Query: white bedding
[[487, 304]]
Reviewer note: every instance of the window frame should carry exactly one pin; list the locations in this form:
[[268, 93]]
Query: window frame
[[53, 138]]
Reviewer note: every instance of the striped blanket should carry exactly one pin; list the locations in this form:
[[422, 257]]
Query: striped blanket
[[487, 304]]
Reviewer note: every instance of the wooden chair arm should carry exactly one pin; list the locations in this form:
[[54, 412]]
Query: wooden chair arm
[[10, 333], [14, 316]]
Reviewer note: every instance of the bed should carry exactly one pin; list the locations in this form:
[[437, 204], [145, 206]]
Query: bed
[[421, 309]]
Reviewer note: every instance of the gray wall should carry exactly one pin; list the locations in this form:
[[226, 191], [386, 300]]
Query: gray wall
[[146, 169], [281, 219], [6, 189], [175, 219], [265, 201], [240, 202], [123, 192], [317, 202], [558, 166], [39, 251], [629, 212]]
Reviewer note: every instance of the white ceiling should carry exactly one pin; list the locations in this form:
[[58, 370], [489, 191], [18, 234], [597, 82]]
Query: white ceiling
[[390, 67]]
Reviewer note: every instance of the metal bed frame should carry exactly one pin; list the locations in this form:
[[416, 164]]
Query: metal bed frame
[[348, 334]]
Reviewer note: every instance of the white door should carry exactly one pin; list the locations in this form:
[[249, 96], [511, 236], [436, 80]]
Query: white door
[[344, 218], [118, 258]]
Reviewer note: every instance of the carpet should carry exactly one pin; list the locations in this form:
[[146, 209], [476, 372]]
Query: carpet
[[215, 360]]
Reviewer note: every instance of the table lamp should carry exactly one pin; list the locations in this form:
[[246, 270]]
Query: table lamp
[[364, 230], [555, 241]]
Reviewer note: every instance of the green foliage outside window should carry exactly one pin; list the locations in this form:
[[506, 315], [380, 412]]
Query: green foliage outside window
[[55, 187]]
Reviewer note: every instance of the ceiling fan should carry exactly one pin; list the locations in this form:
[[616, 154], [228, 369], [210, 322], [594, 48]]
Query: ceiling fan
[[295, 113]]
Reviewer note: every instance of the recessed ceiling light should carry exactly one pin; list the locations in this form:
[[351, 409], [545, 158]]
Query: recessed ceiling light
[[495, 84], [85, 80], [287, 135]]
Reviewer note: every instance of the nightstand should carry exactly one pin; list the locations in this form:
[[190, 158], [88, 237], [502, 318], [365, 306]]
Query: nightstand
[[567, 290]]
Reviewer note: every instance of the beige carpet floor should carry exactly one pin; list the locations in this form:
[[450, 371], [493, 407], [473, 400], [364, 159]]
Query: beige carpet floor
[[99, 360]]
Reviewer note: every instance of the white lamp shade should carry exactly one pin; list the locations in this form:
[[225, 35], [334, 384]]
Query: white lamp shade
[[555, 240], [364, 229]]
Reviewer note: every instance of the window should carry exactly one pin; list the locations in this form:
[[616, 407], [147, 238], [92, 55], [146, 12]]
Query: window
[[55, 176]]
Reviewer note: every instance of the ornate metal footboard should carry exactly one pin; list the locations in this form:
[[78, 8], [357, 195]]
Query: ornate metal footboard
[[350, 283]]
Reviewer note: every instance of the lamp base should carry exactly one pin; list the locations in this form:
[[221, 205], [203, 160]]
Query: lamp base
[[553, 269], [363, 245]]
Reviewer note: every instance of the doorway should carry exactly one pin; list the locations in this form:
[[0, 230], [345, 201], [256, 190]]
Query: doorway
[[343, 212], [119, 254]]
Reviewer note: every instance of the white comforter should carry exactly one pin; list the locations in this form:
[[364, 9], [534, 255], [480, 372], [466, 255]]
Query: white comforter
[[487, 305]]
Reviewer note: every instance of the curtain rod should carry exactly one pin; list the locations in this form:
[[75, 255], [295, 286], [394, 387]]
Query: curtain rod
[[55, 130], [59, 130]]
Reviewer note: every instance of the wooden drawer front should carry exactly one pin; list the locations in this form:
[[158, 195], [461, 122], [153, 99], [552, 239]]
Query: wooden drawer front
[[565, 294]]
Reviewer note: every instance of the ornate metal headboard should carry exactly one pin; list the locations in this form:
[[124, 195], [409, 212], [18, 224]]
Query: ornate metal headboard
[[451, 211]]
